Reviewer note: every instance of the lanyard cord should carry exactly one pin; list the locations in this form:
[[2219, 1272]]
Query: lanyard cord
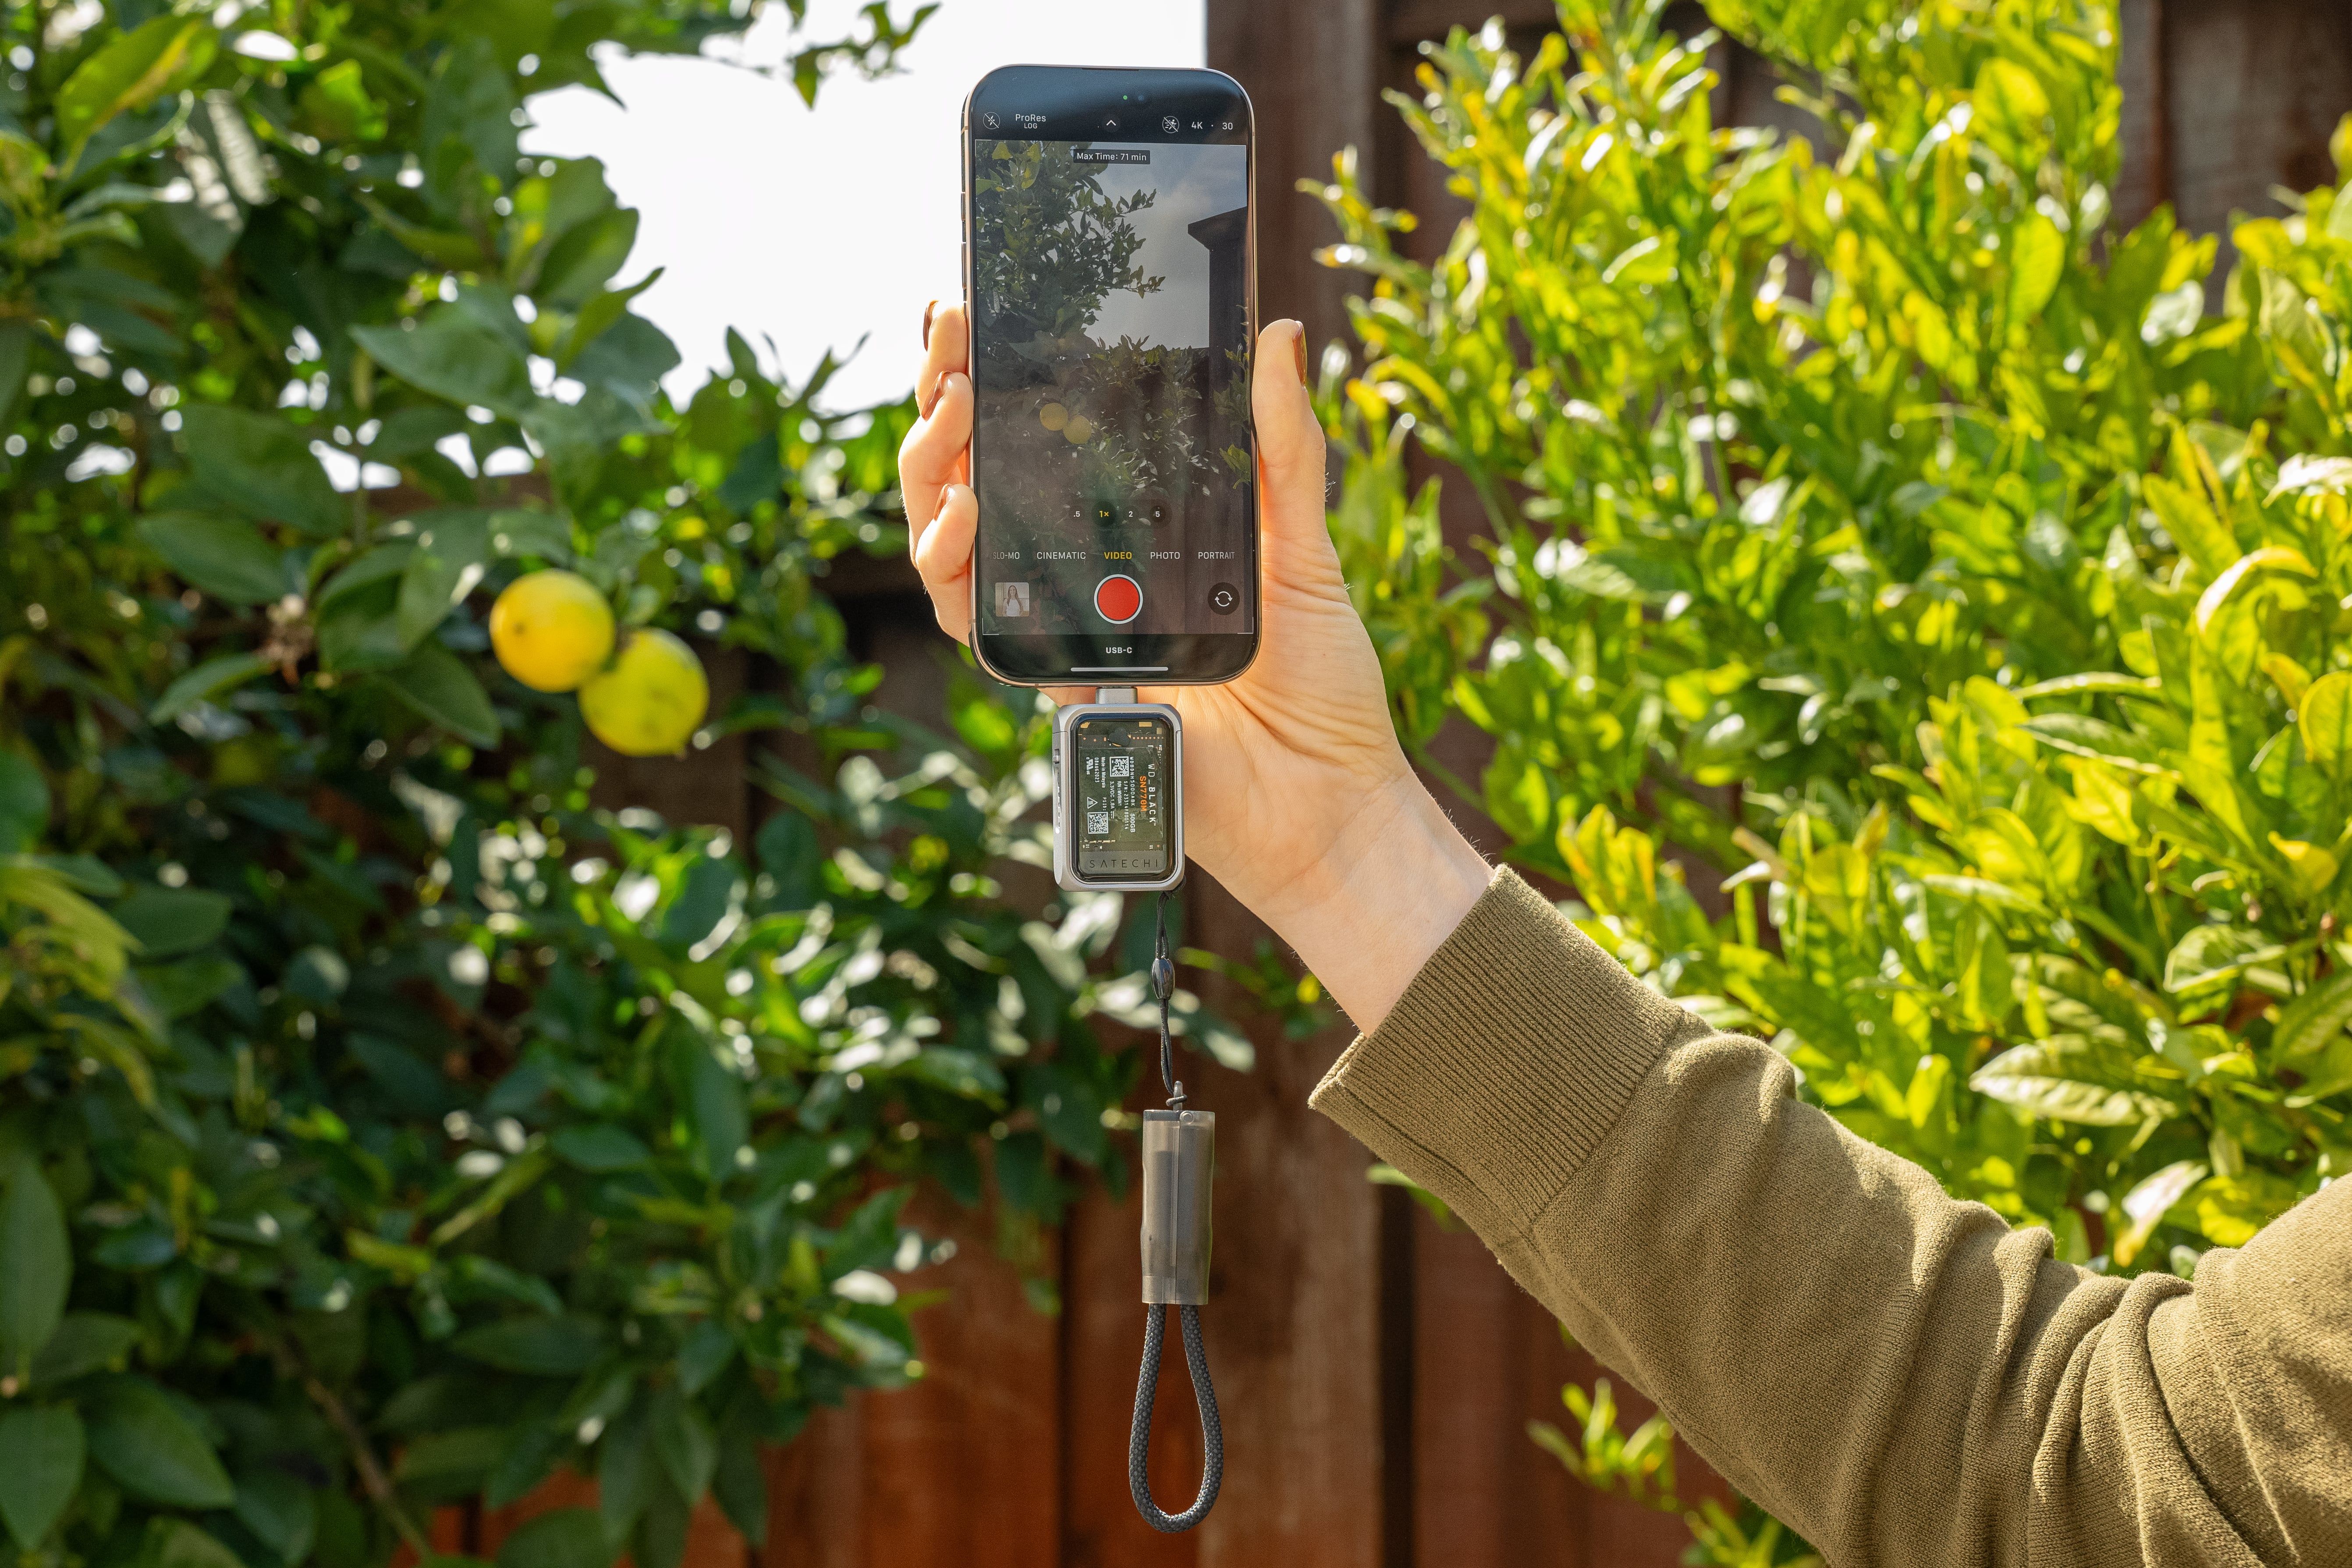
[[1155, 1320], [1163, 987]]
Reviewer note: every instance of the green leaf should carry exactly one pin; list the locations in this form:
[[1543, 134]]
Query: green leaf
[[261, 465], [451, 1465], [280, 1511], [164, 54], [180, 989], [36, 1264], [2080, 735], [546, 534], [176, 1544], [2035, 1079], [44, 1450], [625, 1471], [711, 1094], [2326, 718], [702, 900], [869, 1235], [169, 920], [541, 1347], [2330, 1074], [2145, 1204], [206, 681], [740, 1481], [599, 313], [24, 802], [2209, 954], [660, 1540], [471, 103], [600, 1147], [450, 355], [15, 359], [581, 262], [2037, 253], [2011, 109], [683, 1441], [2309, 1022], [438, 685], [338, 103], [2189, 518], [85, 1342], [138, 1436], [224, 556], [452, 551], [563, 1538], [703, 1354]]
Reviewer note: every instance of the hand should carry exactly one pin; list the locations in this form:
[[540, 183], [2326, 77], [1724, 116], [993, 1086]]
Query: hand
[[1298, 797]]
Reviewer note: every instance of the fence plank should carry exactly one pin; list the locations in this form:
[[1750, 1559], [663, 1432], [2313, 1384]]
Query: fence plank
[[2253, 89], [963, 1467]]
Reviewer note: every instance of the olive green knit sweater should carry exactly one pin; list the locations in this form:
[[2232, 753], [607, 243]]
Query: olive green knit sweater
[[1901, 1377]]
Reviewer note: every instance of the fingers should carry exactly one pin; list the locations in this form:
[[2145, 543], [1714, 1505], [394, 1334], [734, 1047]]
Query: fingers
[[1290, 449], [943, 350], [936, 454], [943, 555]]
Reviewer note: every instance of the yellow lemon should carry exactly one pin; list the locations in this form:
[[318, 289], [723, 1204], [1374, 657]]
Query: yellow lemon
[[650, 702], [551, 630], [1053, 416], [1077, 429]]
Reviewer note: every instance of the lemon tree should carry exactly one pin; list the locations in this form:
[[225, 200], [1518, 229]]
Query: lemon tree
[[382, 1122], [1905, 613]]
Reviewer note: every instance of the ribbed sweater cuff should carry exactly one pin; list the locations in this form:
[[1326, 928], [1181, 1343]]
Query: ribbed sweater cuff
[[1504, 1063]]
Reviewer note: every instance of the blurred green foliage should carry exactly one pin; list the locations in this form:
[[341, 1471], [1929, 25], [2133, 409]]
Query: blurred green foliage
[[382, 1123], [1913, 621]]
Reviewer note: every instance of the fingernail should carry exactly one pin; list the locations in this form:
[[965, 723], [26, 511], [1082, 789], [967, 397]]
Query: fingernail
[[928, 311], [1299, 343]]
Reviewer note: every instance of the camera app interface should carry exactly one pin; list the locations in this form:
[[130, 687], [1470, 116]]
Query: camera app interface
[[1122, 796], [1111, 363]]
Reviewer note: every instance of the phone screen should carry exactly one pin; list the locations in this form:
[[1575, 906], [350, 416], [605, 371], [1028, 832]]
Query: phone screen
[[1122, 821], [1112, 454]]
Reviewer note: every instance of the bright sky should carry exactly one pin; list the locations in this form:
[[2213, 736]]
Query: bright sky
[[818, 228], [1188, 183]]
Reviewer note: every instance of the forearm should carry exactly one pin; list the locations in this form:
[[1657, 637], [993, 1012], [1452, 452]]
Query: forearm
[[1899, 1376]]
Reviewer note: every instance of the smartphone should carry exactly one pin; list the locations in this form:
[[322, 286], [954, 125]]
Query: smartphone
[[1110, 279]]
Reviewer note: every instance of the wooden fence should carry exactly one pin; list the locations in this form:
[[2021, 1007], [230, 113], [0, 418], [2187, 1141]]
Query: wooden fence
[[1377, 1374]]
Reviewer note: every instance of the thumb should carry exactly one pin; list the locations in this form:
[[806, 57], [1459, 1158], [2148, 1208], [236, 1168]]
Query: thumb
[[1290, 450]]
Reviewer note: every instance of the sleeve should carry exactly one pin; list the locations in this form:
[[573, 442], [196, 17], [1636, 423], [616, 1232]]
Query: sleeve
[[1901, 1377]]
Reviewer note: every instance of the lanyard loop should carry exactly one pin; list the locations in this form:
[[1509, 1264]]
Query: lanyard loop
[[1179, 1157], [1213, 1431]]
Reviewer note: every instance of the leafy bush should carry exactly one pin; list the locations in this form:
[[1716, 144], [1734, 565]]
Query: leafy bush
[[381, 1123], [1869, 525]]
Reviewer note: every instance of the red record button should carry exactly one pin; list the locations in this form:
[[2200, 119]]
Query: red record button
[[1118, 599]]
